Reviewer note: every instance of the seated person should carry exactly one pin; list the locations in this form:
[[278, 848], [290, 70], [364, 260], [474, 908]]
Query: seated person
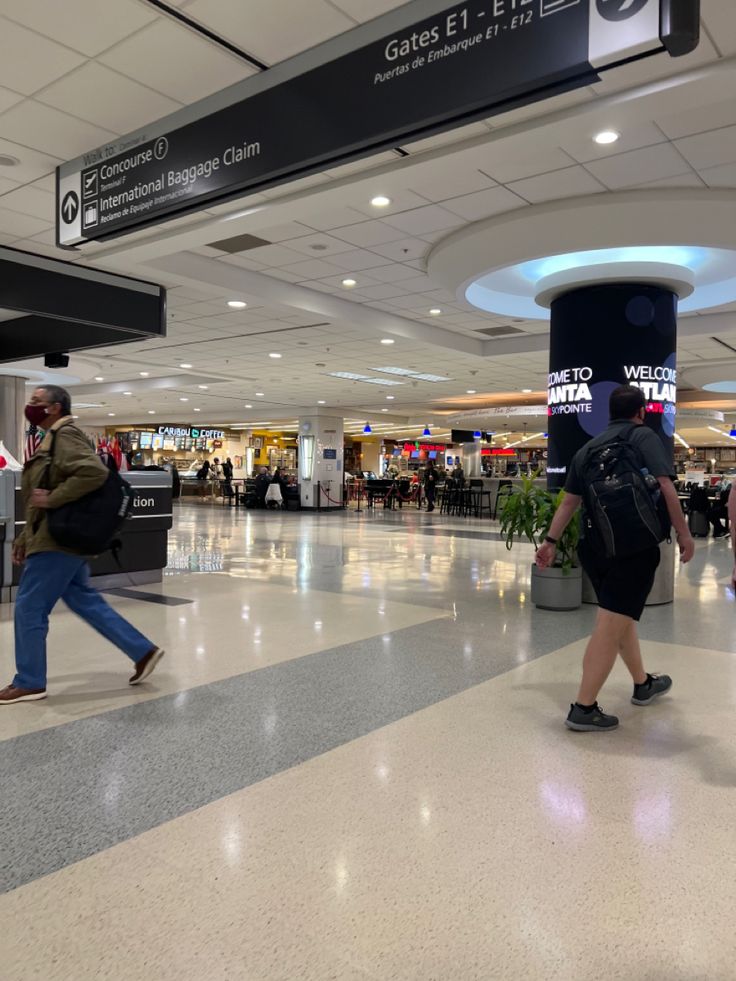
[[718, 511]]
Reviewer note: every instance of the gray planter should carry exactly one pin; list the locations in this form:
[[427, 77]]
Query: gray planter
[[553, 590]]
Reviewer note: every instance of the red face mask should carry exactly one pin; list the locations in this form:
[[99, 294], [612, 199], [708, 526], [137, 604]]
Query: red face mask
[[36, 414]]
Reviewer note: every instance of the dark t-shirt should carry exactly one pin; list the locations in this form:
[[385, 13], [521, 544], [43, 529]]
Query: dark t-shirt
[[656, 459]]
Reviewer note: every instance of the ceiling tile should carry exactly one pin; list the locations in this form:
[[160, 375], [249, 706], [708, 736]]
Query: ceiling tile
[[633, 137], [537, 162], [28, 61], [51, 131], [393, 273], [107, 99], [403, 250], [718, 18], [638, 166], [559, 184], [368, 233], [274, 255], [700, 119], [724, 176], [81, 24], [273, 30], [358, 259], [33, 164], [441, 182], [327, 245], [483, 204], [329, 218], [684, 180], [280, 233], [709, 149], [200, 67], [313, 269], [20, 226], [8, 99], [444, 139], [428, 219], [31, 201], [7, 185], [363, 10]]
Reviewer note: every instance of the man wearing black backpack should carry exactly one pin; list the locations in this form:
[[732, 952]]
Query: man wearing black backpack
[[64, 469], [624, 480]]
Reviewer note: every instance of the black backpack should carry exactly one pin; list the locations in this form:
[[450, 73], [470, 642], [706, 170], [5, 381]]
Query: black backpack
[[624, 510], [90, 524]]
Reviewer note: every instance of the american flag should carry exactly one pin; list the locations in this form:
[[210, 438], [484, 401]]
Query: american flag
[[34, 436]]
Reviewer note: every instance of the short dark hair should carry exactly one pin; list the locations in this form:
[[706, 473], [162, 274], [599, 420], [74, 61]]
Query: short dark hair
[[55, 393], [626, 401]]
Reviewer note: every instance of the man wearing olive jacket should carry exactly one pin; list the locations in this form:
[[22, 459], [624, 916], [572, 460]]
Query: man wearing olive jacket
[[50, 571]]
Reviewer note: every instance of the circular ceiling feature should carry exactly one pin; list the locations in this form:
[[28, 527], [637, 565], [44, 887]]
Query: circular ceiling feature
[[499, 264], [701, 277], [721, 386]]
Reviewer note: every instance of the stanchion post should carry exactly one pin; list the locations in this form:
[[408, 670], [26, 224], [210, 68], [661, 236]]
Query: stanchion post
[[319, 496]]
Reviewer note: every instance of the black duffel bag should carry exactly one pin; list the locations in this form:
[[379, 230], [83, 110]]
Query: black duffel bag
[[90, 524]]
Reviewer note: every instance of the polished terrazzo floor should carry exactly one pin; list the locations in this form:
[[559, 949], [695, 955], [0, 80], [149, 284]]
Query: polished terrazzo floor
[[352, 765]]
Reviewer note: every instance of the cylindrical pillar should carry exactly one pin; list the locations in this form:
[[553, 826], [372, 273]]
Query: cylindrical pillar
[[602, 337], [12, 420], [471, 460]]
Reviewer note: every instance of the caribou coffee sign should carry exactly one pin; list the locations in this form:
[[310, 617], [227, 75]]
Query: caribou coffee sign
[[190, 431]]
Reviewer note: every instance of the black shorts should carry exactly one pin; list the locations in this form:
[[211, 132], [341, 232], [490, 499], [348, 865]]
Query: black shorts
[[622, 585]]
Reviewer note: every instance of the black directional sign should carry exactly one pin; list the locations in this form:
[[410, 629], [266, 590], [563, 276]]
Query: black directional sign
[[401, 77], [70, 207]]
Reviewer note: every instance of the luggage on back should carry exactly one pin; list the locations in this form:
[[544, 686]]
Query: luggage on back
[[624, 510]]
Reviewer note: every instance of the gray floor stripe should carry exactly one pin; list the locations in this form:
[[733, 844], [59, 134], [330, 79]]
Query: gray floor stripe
[[148, 597], [75, 790]]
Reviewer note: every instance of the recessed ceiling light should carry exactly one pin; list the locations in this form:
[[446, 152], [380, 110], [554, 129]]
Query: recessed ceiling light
[[320, 402], [197, 410], [606, 137], [237, 304], [151, 412], [7, 161], [127, 393], [185, 364], [144, 374], [183, 400], [203, 386], [384, 410], [99, 378], [111, 413], [471, 391], [387, 340], [248, 406], [380, 201], [526, 391], [435, 312], [259, 394], [390, 397], [274, 354], [349, 283]]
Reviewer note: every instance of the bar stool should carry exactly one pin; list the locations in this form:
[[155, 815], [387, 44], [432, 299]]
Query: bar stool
[[480, 498]]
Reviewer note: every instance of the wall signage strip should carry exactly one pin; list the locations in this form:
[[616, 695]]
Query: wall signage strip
[[401, 77]]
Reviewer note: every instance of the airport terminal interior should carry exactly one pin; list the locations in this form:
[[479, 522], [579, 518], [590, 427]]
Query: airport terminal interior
[[288, 257]]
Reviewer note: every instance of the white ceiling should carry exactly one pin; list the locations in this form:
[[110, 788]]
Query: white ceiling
[[75, 74]]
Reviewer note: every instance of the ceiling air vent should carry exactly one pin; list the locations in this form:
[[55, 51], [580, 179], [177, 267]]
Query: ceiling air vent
[[240, 243], [502, 331]]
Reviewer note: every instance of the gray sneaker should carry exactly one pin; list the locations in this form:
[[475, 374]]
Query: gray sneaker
[[580, 721], [653, 687]]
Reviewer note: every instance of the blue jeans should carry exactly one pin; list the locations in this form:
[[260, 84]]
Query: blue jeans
[[47, 578]]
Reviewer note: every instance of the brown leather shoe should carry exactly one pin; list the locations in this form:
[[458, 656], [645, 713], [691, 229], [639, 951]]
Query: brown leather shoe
[[146, 666], [12, 694]]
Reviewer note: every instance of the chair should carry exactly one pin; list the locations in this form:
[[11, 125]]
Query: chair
[[480, 498], [274, 497]]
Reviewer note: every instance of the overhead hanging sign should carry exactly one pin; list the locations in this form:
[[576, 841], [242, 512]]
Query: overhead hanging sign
[[423, 68]]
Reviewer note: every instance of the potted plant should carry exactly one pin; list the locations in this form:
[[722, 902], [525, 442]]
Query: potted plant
[[526, 512]]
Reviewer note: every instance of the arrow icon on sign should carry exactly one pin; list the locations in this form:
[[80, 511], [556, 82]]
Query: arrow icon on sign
[[70, 207]]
